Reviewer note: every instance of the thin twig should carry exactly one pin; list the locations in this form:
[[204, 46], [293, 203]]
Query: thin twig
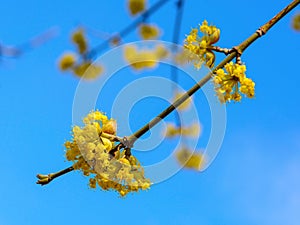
[[46, 179], [226, 51]]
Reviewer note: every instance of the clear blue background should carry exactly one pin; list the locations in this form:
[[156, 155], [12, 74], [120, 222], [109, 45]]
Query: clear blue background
[[254, 180]]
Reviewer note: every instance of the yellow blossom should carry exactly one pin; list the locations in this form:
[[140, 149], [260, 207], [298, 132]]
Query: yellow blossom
[[136, 6], [67, 61], [89, 150], [231, 84], [201, 45], [189, 159], [148, 31]]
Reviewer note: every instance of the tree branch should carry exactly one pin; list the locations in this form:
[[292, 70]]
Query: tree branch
[[240, 48], [130, 140]]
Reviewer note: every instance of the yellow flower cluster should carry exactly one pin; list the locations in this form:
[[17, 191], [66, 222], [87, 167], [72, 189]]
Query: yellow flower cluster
[[136, 6], [296, 22], [148, 31], [90, 152], [230, 85], [192, 130], [145, 58], [200, 47], [189, 159], [70, 61]]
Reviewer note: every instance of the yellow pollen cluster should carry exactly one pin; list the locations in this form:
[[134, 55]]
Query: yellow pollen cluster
[[148, 31], [145, 58], [200, 47], [136, 6], [230, 85], [81, 68], [90, 152]]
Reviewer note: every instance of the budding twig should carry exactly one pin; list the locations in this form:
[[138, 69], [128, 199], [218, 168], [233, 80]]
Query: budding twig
[[127, 142], [226, 51], [238, 51], [46, 179]]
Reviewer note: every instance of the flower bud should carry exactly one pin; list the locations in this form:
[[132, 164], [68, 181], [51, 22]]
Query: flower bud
[[215, 36], [110, 127]]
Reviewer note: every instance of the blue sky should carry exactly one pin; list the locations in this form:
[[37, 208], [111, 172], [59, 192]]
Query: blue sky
[[255, 177]]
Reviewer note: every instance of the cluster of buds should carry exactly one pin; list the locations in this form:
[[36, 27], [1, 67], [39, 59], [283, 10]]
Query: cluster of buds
[[229, 83], [201, 47], [78, 63], [92, 151], [144, 58]]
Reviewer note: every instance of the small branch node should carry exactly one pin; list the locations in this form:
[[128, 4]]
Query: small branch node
[[260, 31], [127, 142]]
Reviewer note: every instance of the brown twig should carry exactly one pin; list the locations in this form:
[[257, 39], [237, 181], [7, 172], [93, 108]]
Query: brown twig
[[46, 179]]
